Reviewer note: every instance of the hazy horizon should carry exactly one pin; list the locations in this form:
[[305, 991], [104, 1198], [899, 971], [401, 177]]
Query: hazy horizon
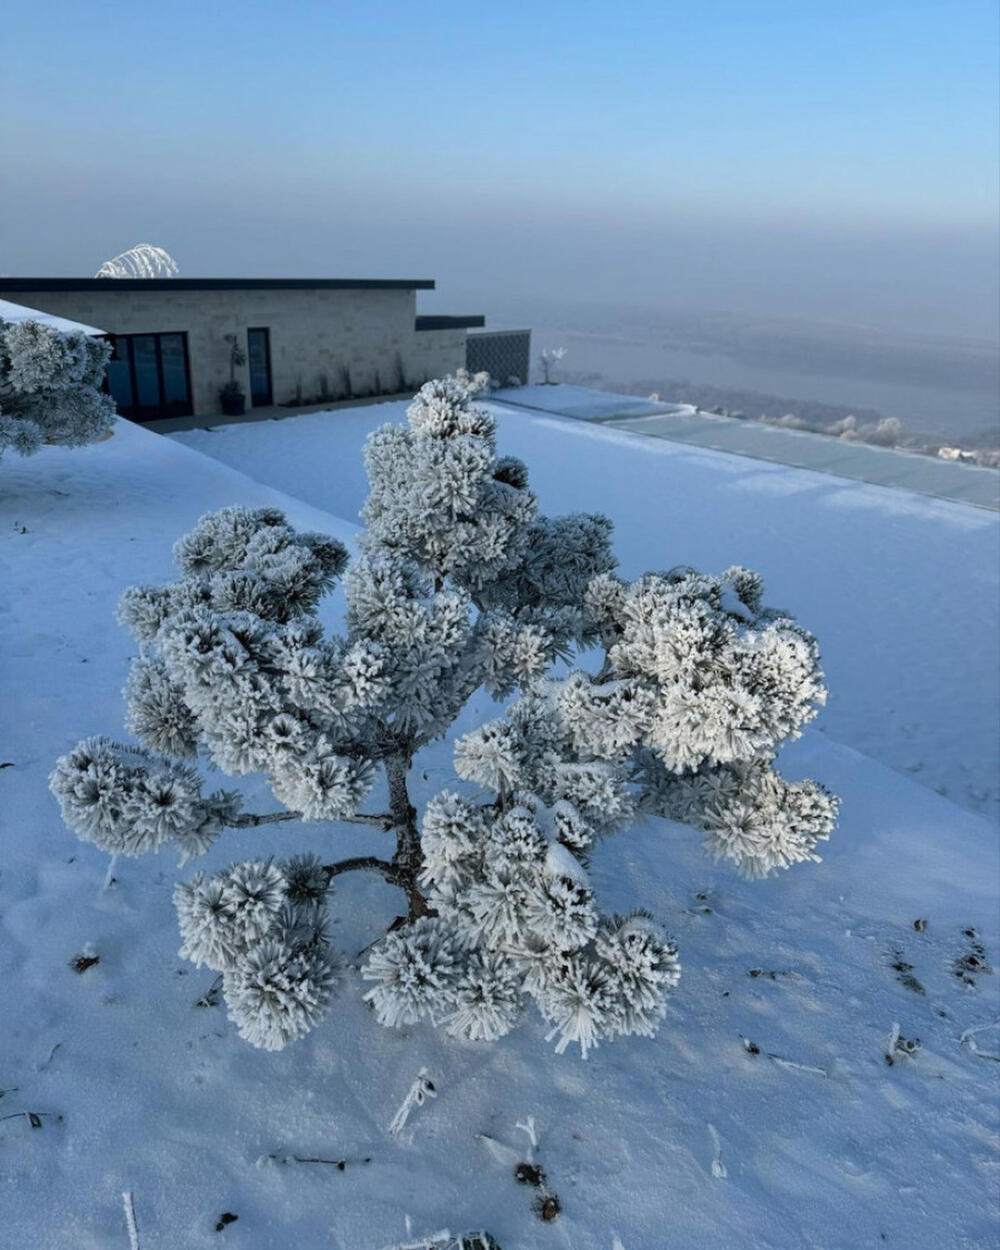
[[836, 165]]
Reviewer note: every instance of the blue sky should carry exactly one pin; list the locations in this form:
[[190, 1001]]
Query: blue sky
[[634, 150]]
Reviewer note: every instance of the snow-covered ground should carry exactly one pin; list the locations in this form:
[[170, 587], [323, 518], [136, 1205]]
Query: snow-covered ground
[[772, 1062], [902, 591]]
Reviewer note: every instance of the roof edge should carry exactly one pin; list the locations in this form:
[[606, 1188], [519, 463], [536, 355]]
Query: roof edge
[[9, 283], [434, 321]]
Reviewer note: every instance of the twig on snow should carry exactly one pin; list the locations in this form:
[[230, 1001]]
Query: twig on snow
[[753, 1049], [900, 1047], [718, 1167], [418, 1093], [528, 1127], [796, 1067], [339, 1164], [34, 1118], [45, 1063], [130, 1224], [967, 1040]]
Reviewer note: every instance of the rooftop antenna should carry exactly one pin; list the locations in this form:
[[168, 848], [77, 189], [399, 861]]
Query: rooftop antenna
[[145, 260]]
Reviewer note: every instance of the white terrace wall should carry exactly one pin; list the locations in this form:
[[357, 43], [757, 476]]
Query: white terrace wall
[[315, 335]]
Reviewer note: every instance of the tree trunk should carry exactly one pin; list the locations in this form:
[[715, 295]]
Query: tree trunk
[[408, 859]]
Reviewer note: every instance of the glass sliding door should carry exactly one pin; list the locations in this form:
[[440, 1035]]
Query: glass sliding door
[[149, 376], [146, 373], [174, 370], [119, 376], [259, 360]]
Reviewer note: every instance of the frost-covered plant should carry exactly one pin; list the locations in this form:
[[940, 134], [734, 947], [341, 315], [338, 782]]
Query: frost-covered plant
[[547, 359], [145, 260], [461, 584], [50, 387]]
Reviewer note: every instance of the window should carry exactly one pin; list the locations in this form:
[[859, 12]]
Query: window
[[149, 377]]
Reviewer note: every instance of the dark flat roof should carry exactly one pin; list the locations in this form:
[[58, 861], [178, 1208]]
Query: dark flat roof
[[216, 284], [434, 322]]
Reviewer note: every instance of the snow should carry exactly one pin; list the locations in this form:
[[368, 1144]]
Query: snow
[[901, 590], [764, 1113], [585, 403], [20, 312]]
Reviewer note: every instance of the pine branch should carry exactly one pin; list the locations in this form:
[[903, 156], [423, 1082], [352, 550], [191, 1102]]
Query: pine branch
[[250, 820], [607, 672], [363, 863]]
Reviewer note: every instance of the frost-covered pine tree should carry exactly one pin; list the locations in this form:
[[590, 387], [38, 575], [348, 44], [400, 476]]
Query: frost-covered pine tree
[[50, 387], [461, 584]]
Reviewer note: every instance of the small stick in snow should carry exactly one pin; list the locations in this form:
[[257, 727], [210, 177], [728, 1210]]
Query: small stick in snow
[[340, 1164], [130, 1224], [109, 876], [528, 1127], [34, 1118], [796, 1067], [443, 1239], [753, 1049], [968, 1036], [211, 996], [718, 1167], [900, 1047], [418, 1093], [45, 1063]]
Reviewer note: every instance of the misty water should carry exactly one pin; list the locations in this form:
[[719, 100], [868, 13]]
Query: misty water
[[948, 392]]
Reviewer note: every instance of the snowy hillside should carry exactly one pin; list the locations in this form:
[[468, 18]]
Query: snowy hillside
[[902, 591], [764, 1114]]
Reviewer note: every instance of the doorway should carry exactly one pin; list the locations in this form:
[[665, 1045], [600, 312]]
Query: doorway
[[259, 361]]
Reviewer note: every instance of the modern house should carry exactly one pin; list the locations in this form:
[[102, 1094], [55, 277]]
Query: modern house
[[306, 340]]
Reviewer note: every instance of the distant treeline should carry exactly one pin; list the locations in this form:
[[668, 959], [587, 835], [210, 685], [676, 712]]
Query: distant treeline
[[753, 404], [865, 425]]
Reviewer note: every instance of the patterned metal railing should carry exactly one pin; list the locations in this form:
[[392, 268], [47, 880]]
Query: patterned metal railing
[[503, 354]]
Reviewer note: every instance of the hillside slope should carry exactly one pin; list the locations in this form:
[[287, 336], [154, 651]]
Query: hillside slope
[[774, 1048]]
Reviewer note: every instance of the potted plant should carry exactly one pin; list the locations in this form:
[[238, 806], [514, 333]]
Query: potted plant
[[231, 397]]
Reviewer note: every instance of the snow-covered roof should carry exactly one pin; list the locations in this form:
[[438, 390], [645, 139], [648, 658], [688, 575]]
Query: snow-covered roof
[[20, 312]]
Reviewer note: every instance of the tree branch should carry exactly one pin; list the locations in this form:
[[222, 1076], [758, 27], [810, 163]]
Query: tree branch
[[362, 863], [250, 820], [606, 673]]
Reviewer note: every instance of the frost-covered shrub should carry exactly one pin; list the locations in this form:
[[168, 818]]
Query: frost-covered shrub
[[50, 387], [461, 584]]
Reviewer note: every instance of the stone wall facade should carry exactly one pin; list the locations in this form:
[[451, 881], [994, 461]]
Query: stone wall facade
[[321, 339]]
